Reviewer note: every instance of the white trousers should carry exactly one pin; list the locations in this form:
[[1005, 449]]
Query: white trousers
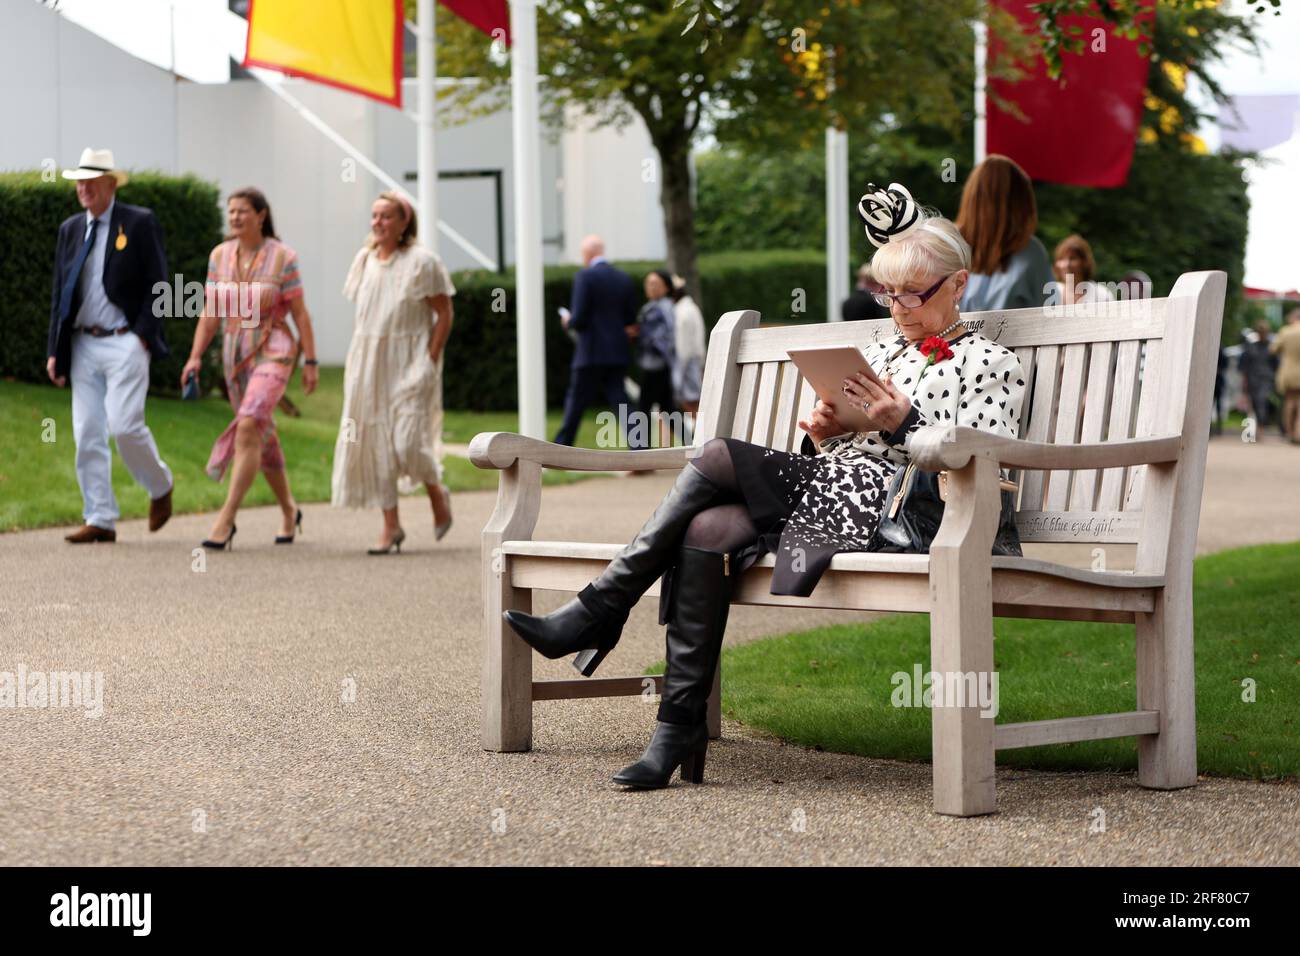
[[110, 377]]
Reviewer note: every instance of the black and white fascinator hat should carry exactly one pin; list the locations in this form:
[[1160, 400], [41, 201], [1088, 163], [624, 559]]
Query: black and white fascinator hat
[[888, 214], [891, 214]]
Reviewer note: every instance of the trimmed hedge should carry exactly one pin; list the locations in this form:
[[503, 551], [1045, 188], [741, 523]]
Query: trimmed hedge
[[480, 369], [189, 212]]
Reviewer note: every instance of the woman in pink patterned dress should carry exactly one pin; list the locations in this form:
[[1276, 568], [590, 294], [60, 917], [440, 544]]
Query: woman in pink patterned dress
[[253, 286]]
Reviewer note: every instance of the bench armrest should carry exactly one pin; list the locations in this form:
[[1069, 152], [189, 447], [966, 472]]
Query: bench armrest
[[938, 447], [496, 450]]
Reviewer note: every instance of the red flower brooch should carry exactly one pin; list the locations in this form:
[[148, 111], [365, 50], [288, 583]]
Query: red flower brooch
[[936, 350]]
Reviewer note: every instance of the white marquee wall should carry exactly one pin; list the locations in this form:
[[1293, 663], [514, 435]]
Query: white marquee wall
[[63, 88]]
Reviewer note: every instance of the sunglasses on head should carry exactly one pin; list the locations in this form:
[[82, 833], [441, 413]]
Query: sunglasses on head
[[910, 300]]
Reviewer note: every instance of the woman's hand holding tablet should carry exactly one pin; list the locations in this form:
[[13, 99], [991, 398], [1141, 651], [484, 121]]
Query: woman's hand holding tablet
[[822, 423], [826, 369], [886, 407]]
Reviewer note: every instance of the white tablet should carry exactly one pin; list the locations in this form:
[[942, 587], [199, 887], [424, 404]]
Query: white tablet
[[825, 369]]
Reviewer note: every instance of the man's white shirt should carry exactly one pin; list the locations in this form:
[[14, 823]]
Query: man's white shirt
[[96, 309]]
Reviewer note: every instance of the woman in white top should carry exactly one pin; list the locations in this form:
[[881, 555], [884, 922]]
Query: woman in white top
[[391, 428], [1074, 269], [688, 327]]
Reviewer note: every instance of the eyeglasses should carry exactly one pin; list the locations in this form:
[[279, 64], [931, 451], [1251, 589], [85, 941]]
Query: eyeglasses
[[910, 300]]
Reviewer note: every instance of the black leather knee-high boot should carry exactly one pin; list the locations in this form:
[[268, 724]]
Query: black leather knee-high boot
[[591, 624], [697, 620]]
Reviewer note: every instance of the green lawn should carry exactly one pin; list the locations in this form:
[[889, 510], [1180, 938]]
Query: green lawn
[[38, 481], [831, 687]]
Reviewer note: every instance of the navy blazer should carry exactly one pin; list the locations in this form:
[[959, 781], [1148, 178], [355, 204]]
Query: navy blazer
[[604, 305], [130, 275]]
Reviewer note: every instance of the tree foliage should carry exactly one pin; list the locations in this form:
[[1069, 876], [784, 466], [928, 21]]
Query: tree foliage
[[767, 77], [757, 71], [1061, 32]]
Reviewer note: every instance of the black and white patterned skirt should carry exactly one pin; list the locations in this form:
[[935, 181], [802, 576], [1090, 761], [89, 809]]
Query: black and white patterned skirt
[[808, 508]]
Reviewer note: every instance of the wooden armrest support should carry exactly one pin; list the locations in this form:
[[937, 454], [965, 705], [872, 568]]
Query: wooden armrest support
[[502, 449], [939, 447]]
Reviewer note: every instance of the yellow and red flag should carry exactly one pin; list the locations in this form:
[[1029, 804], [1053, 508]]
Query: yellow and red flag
[[354, 45]]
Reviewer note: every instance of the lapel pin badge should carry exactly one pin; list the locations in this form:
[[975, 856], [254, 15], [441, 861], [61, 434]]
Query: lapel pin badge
[[120, 242]]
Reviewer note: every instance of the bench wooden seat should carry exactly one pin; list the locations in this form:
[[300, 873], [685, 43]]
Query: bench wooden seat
[[1114, 431], [854, 582]]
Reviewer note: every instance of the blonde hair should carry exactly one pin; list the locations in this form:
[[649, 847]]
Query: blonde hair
[[408, 214], [934, 247]]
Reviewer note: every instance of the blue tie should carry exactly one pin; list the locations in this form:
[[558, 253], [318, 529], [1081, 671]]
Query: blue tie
[[70, 283]]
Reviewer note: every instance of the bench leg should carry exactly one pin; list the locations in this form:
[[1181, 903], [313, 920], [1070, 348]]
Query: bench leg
[[507, 692], [1166, 681], [961, 641], [714, 715], [961, 738]]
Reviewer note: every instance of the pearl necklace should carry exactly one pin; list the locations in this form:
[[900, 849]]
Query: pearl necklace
[[944, 333]]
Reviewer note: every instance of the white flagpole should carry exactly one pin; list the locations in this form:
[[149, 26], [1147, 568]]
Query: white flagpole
[[529, 329], [837, 221], [425, 164], [981, 98], [837, 209]]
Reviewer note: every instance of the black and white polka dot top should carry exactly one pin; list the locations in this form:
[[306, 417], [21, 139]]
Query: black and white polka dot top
[[981, 386]]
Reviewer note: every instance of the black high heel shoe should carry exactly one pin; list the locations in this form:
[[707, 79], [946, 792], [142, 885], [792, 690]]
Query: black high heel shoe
[[570, 629], [396, 542], [672, 746], [221, 545], [698, 607], [592, 623], [288, 538]]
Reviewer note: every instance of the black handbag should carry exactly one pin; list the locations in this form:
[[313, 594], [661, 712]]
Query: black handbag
[[914, 510]]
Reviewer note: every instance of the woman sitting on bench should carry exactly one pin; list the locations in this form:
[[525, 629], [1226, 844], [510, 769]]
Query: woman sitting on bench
[[735, 501]]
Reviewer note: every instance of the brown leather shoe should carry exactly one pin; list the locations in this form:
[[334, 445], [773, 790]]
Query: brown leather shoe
[[160, 509], [89, 534]]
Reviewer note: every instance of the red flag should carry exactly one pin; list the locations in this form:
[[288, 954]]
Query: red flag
[[487, 15], [1081, 133]]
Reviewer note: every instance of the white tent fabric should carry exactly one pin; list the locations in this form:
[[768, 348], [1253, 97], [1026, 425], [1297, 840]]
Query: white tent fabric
[[175, 35], [1274, 190]]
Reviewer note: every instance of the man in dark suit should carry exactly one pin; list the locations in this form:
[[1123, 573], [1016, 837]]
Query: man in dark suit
[[603, 309], [860, 305], [103, 331]]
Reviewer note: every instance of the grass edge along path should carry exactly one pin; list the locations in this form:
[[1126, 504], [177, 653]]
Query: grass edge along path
[[831, 688], [38, 480]]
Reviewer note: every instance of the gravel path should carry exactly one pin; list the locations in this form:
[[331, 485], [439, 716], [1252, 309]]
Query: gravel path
[[226, 737]]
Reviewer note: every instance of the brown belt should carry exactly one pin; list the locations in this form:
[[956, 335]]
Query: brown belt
[[96, 331]]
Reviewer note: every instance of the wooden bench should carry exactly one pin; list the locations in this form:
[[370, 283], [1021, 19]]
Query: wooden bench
[[1114, 432]]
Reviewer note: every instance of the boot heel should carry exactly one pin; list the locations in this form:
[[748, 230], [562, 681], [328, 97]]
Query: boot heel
[[586, 661], [693, 767]]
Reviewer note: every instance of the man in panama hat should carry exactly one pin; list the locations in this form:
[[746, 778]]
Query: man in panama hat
[[103, 332]]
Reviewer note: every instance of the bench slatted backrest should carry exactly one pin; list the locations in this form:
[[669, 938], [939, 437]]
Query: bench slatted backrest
[[1092, 371]]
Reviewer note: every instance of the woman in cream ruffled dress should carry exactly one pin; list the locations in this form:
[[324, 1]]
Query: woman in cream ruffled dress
[[391, 430]]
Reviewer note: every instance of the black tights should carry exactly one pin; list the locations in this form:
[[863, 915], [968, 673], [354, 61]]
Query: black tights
[[723, 528]]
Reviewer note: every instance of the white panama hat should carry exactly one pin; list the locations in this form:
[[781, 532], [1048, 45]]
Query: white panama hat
[[95, 163]]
